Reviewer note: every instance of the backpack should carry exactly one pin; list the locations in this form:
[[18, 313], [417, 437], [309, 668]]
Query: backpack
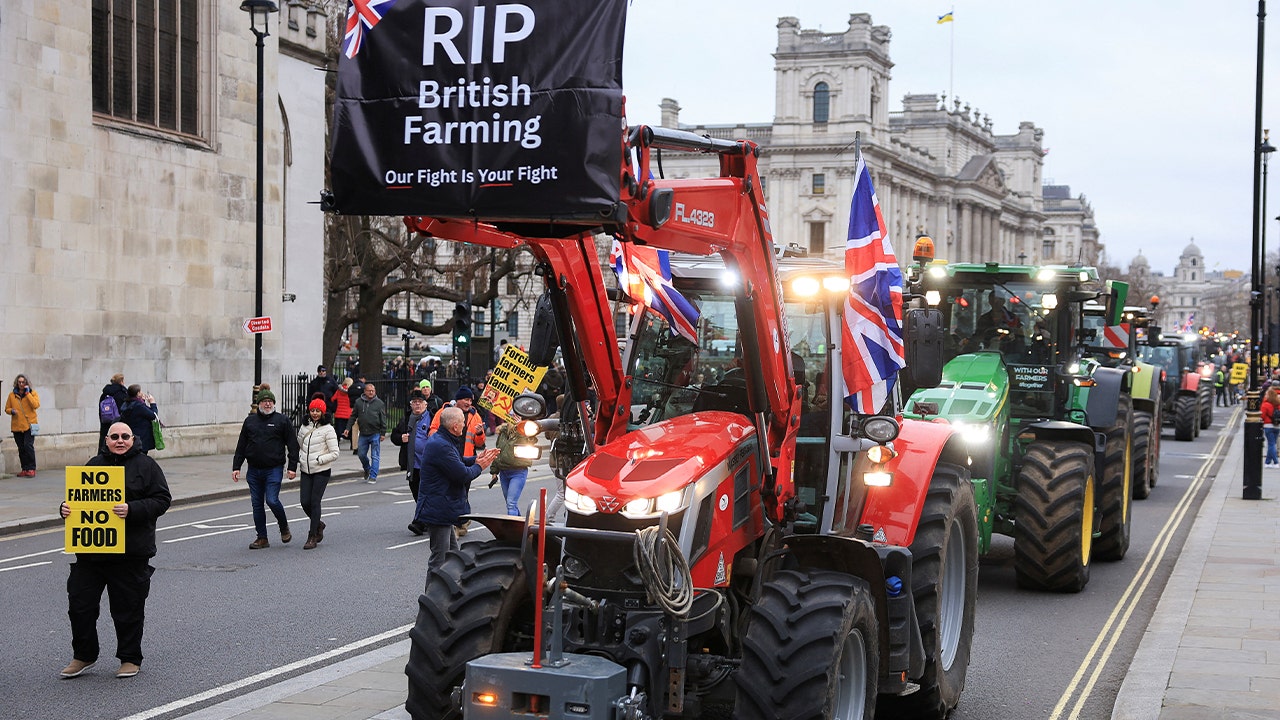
[[108, 411]]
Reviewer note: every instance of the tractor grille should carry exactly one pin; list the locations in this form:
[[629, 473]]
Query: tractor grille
[[609, 564]]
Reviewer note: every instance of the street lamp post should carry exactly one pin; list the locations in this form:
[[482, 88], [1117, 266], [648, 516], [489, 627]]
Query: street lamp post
[[259, 15], [1253, 414], [1264, 362]]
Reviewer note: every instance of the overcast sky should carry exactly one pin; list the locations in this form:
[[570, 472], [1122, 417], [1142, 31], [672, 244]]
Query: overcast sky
[[1147, 107]]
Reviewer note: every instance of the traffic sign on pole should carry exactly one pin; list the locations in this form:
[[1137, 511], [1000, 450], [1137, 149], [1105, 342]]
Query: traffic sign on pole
[[256, 325]]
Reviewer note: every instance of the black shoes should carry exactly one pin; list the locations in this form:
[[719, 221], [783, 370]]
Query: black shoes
[[416, 528]]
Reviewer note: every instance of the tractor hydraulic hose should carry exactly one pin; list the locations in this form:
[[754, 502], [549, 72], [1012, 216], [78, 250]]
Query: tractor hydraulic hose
[[664, 570]]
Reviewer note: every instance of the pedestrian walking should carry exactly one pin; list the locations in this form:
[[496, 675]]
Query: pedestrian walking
[[342, 408], [126, 577], [317, 451], [371, 415], [267, 442], [445, 477], [473, 432], [404, 433], [324, 385], [1220, 387], [509, 469], [21, 405], [1270, 430], [114, 396], [138, 412]]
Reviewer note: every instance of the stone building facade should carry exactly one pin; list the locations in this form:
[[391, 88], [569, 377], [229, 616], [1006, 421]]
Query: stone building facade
[[1194, 296], [937, 165], [129, 215]]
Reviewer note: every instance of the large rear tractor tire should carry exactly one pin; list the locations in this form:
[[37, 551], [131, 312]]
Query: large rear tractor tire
[[811, 650], [1053, 531], [476, 603], [944, 583], [1186, 424], [1206, 407], [1143, 467], [1115, 490]]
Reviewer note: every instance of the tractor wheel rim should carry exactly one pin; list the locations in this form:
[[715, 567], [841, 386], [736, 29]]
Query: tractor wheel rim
[[951, 600], [1086, 522], [851, 684]]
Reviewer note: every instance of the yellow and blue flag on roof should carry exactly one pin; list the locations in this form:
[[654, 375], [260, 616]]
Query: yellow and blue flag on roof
[[949, 17]]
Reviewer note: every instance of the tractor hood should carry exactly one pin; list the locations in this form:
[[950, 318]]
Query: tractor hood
[[973, 388], [661, 458]]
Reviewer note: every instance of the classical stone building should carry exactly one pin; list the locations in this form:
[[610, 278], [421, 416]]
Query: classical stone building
[[1194, 296], [128, 149], [937, 165], [1070, 233]]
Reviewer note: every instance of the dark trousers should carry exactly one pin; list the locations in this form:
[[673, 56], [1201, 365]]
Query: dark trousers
[[442, 540], [26, 443], [127, 581], [310, 492], [413, 484]]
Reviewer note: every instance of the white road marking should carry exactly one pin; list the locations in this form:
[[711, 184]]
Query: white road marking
[[30, 555], [232, 687], [411, 542], [19, 567]]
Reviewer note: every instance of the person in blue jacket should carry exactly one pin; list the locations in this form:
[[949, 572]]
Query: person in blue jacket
[[444, 476]]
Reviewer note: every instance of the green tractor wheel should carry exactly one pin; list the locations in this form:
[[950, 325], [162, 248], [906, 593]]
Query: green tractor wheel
[[1115, 491], [1186, 422], [1143, 464], [1053, 532]]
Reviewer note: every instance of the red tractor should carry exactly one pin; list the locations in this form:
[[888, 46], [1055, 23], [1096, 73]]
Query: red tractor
[[736, 539]]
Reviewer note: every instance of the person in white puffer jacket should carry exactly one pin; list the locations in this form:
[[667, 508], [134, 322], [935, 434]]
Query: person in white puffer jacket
[[317, 451]]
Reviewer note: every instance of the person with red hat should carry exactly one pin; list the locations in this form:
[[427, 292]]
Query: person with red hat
[[317, 451]]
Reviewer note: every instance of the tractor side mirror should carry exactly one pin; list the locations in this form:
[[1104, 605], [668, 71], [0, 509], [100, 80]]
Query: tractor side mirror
[[543, 340], [923, 330]]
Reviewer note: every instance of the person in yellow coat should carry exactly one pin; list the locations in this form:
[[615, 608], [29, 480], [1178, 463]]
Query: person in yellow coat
[[21, 406]]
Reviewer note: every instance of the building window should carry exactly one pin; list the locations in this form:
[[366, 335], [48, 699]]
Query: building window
[[1046, 250], [513, 324], [620, 323], [390, 330], [145, 62], [819, 183], [821, 103], [478, 324], [817, 238], [428, 317], [1193, 274]]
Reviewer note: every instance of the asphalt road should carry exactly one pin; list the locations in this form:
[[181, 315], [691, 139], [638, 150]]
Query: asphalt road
[[218, 612], [1059, 656]]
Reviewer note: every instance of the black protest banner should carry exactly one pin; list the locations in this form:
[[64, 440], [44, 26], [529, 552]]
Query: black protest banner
[[457, 108]]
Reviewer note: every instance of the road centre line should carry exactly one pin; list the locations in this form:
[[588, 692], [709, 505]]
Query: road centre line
[[267, 675], [1136, 589], [30, 555]]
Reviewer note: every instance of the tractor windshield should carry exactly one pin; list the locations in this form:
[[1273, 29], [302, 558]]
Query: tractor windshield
[[1166, 356], [1014, 318]]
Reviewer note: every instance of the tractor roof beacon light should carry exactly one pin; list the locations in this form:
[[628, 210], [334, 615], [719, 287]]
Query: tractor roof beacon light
[[924, 250]]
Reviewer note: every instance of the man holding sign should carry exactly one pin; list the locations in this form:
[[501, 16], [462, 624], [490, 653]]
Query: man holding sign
[[111, 506]]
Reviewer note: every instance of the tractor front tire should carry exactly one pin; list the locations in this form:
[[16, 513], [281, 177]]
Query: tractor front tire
[[1053, 530], [944, 585], [1143, 467], [476, 603], [1186, 424], [1206, 408], [1115, 491], [811, 650]]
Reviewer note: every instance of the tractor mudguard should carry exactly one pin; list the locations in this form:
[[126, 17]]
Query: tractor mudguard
[[506, 529], [1144, 379], [1068, 430], [1190, 382], [1104, 396], [852, 557], [894, 511]]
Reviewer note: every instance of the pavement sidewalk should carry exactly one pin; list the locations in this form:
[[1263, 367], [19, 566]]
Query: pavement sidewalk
[[1212, 648]]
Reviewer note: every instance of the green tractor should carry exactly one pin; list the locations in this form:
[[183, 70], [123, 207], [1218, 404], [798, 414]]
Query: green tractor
[[1049, 427], [1184, 389]]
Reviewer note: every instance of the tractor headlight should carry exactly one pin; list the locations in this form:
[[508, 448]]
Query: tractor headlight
[[880, 454], [529, 405], [651, 507], [878, 478], [578, 502], [527, 452], [932, 297], [973, 433], [880, 428]]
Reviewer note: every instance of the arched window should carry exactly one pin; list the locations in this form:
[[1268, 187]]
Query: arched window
[[821, 102]]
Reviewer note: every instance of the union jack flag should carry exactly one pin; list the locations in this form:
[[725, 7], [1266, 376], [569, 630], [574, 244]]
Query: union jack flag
[[871, 336], [645, 274], [362, 15]]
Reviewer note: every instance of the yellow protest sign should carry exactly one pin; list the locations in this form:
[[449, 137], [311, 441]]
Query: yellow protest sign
[[513, 375], [91, 493], [1239, 373]]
